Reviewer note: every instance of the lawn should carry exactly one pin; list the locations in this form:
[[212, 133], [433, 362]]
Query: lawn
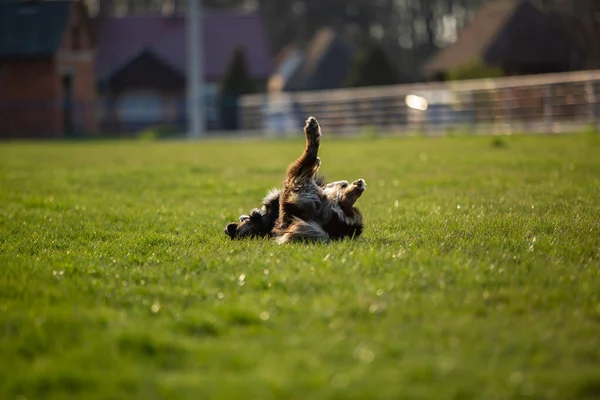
[[477, 277]]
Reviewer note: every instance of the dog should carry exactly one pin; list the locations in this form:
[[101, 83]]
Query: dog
[[306, 208]]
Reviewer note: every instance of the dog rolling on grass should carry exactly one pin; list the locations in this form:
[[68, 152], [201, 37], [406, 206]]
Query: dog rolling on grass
[[306, 207]]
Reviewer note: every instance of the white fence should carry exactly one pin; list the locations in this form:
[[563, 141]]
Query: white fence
[[549, 103]]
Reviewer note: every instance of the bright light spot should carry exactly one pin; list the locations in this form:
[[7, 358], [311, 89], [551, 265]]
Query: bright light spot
[[416, 102], [364, 354], [264, 316], [155, 307]]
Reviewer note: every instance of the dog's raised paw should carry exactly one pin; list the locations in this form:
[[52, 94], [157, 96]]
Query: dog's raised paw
[[312, 128]]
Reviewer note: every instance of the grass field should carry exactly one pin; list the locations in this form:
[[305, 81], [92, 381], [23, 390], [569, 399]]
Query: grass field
[[477, 277]]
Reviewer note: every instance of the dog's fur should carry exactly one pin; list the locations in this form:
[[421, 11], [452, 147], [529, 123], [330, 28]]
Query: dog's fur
[[306, 207]]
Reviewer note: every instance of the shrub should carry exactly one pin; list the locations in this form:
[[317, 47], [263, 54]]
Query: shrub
[[474, 70]]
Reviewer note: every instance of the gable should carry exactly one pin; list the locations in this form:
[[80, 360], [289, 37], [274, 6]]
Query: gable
[[324, 65], [78, 34], [475, 38], [146, 70], [530, 37]]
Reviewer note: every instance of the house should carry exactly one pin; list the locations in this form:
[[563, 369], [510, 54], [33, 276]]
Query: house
[[323, 64], [47, 80], [512, 35], [142, 65]]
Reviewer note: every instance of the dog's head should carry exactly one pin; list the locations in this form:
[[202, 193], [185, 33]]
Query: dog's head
[[335, 190], [248, 226], [259, 222]]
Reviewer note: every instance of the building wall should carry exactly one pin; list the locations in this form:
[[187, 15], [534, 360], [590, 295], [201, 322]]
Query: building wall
[[32, 95], [76, 58], [28, 93]]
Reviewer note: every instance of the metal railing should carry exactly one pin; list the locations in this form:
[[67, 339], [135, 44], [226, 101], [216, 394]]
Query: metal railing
[[549, 103]]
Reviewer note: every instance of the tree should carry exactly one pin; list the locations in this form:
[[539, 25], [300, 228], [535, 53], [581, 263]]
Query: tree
[[236, 82], [372, 67]]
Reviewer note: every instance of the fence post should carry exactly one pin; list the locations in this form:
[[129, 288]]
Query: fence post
[[548, 106], [508, 108], [592, 101]]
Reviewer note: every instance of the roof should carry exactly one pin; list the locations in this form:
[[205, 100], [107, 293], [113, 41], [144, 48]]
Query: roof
[[474, 40], [325, 64], [120, 39], [146, 69], [32, 30]]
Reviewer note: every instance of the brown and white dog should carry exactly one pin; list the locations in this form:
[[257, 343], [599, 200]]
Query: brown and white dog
[[306, 207]]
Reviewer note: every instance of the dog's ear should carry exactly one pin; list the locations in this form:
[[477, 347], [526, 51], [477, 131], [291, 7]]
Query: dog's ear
[[271, 200], [231, 229], [255, 215]]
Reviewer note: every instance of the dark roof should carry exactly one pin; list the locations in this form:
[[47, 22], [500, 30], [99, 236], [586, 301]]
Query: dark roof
[[146, 69], [475, 38], [120, 39], [325, 66], [508, 33], [32, 29]]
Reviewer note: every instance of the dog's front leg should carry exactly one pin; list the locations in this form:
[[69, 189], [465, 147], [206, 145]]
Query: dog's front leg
[[307, 165]]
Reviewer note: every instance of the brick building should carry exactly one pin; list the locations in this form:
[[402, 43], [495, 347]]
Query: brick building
[[47, 78]]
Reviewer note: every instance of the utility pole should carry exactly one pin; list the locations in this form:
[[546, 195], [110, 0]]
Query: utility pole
[[195, 77]]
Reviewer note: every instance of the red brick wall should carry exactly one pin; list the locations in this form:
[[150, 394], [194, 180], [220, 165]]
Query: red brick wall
[[28, 94], [31, 93]]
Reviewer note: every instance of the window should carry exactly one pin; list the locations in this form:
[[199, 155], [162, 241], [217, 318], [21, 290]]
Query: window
[[141, 106]]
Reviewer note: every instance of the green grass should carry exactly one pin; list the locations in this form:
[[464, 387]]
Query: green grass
[[477, 277]]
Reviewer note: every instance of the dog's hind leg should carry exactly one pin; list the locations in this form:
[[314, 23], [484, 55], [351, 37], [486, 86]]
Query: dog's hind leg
[[307, 165]]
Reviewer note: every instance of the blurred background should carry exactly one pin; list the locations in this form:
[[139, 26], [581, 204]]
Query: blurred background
[[121, 68]]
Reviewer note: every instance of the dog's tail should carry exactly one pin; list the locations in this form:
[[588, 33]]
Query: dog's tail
[[300, 230]]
